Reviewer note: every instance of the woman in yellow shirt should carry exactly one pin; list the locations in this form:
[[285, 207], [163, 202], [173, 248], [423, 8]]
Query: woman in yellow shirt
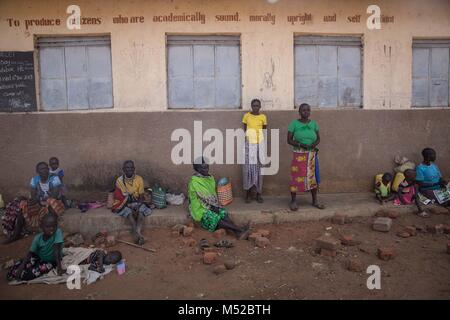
[[254, 122]]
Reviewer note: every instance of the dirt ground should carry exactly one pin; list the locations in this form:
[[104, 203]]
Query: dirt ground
[[288, 269]]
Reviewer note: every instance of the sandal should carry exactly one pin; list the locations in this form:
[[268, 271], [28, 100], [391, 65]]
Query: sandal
[[224, 244], [203, 244]]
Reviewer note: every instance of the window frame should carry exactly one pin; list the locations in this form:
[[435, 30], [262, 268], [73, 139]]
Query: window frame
[[203, 39], [338, 40], [61, 40]]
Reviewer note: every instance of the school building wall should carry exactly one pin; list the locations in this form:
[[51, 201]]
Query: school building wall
[[356, 143]]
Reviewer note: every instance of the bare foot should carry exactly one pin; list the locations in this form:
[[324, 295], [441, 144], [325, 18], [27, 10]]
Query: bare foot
[[243, 235]]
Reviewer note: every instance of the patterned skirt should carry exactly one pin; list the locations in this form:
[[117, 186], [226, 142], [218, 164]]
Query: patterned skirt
[[251, 170], [33, 269], [210, 219], [303, 171]]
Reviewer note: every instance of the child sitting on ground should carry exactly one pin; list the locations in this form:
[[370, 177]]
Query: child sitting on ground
[[407, 190], [45, 253], [383, 187], [98, 258]]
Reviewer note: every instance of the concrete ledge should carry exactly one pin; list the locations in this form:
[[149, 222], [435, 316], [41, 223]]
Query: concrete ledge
[[273, 210]]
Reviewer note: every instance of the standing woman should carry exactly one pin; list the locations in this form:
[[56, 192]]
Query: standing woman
[[303, 136], [253, 122]]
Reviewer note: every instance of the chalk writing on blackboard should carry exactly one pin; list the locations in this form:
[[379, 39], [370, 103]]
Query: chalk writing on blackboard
[[17, 85]]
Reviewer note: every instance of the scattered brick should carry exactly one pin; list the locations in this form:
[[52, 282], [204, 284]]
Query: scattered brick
[[355, 265], [327, 252], [264, 233], [411, 230], [386, 253], [253, 236], [209, 257], [230, 264], [403, 234], [347, 240], [219, 269], [327, 242], [262, 242], [219, 233], [190, 242], [382, 224]]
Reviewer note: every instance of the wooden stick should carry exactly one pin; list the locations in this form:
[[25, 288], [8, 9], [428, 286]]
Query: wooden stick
[[135, 245]]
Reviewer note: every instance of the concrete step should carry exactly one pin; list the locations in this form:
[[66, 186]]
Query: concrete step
[[273, 210]]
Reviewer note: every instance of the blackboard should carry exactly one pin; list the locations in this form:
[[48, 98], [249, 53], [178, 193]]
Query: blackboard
[[17, 87]]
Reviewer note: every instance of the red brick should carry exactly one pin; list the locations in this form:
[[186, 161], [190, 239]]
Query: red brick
[[264, 233], [387, 213], [347, 240], [230, 264], [187, 231], [190, 242], [209, 257], [339, 219], [403, 234], [262, 242], [253, 236], [219, 233], [327, 242], [437, 229], [355, 265], [327, 253], [386, 253], [393, 214], [219, 269], [411, 230]]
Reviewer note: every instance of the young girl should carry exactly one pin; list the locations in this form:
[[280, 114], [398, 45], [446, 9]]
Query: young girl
[[45, 253], [254, 122], [407, 191]]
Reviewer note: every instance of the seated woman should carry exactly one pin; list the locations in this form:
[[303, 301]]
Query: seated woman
[[45, 198], [429, 178], [129, 201], [204, 205]]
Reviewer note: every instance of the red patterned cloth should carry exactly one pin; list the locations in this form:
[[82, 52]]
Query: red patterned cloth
[[303, 171]]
